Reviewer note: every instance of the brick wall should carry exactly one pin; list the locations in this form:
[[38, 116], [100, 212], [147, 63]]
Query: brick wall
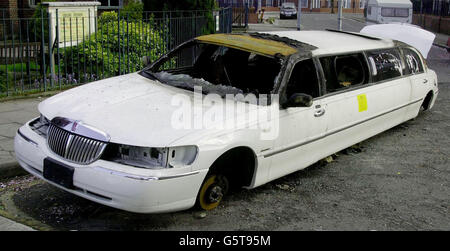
[[433, 23], [9, 8]]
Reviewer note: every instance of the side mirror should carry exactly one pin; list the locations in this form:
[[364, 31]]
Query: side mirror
[[299, 100]]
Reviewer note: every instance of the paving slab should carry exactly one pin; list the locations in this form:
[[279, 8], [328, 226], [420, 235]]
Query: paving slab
[[9, 225], [13, 114]]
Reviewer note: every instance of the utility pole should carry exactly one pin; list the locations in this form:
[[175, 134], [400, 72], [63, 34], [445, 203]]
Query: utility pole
[[299, 12], [340, 15], [421, 13]]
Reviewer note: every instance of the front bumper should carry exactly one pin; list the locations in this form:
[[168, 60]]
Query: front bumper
[[132, 189], [288, 15]]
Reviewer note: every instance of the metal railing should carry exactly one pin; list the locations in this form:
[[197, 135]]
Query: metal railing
[[57, 50], [432, 7]]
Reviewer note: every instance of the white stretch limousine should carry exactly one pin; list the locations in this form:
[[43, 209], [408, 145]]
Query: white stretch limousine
[[115, 141]]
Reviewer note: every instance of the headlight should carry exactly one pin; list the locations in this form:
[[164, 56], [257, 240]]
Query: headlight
[[40, 125], [151, 157]]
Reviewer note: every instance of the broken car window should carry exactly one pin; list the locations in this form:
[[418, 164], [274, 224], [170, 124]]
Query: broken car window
[[344, 71], [303, 79], [386, 64], [412, 61], [218, 69]]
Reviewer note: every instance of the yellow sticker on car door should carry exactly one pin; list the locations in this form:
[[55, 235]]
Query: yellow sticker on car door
[[362, 102]]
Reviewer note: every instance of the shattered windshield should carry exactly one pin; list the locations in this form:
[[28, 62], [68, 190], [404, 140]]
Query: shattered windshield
[[217, 69]]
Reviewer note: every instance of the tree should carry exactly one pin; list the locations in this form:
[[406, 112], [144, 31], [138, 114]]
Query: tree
[[171, 5]]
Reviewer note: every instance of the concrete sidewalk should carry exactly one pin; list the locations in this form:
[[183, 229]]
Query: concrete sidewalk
[[9, 225], [13, 114]]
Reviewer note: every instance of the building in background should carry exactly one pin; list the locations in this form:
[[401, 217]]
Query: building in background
[[330, 6], [432, 15]]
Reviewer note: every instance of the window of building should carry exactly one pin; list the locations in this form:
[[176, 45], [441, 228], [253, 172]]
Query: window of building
[[303, 80], [344, 71], [412, 61], [33, 3], [111, 3], [385, 64]]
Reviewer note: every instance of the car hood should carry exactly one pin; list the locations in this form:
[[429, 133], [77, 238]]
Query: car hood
[[131, 109]]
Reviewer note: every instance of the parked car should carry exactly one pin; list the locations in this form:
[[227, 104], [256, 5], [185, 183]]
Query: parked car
[[114, 142], [288, 10]]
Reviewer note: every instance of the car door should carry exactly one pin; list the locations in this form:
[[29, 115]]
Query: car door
[[297, 144], [418, 78], [359, 102]]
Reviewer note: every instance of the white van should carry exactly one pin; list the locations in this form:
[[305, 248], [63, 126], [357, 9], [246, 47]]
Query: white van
[[388, 11]]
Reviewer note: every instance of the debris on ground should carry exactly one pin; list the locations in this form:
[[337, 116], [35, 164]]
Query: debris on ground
[[18, 183], [270, 20], [285, 187], [200, 215], [326, 160], [354, 149]]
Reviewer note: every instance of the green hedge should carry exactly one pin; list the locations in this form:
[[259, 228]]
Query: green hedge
[[100, 53]]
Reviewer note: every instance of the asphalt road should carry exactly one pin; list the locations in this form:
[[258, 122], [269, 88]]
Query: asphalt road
[[397, 180]]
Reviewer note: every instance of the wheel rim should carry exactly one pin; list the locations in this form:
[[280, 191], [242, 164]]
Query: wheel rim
[[212, 192]]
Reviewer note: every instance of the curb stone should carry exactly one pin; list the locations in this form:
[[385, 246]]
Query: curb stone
[[442, 46], [9, 225]]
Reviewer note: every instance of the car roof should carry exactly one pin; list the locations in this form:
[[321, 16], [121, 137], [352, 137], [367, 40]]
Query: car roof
[[249, 43], [335, 42], [286, 43]]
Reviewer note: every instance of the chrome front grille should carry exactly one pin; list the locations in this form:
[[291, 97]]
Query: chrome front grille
[[73, 147]]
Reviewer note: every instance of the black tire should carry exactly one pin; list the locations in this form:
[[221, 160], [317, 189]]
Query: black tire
[[427, 101]]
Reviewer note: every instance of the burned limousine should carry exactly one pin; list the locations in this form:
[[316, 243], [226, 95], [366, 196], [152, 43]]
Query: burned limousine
[[223, 111]]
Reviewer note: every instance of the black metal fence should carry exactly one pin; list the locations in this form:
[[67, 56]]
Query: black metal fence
[[58, 49], [240, 11], [432, 7]]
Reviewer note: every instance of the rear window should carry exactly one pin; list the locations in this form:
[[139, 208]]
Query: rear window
[[288, 5], [385, 64], [394, 12]]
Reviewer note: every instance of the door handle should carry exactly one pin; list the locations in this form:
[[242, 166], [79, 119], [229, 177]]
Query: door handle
[[425, 81], [319, 112]]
